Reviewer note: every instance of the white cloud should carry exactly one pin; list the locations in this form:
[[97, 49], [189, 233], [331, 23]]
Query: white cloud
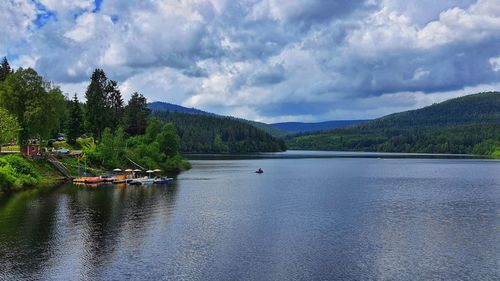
[[264, 59], [388, 30], [495, 63], [420, 73], [16, 17], [384, 31], [87, 27], [479, 21], [67, 7]]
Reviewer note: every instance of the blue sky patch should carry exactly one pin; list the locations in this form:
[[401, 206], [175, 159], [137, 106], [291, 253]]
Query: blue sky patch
[[43, 15], [115, 18], [98, 4]]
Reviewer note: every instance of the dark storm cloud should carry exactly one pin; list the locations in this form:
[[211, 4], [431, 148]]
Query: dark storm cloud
[[294, 108], [446, 68], [265, 58]]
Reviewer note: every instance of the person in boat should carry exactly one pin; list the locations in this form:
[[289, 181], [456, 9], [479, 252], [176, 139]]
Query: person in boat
[[259, 171]]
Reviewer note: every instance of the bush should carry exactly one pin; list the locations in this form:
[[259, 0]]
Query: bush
[[86, 143], [19, 164], [7, 178], [17, 172], [61, 144]]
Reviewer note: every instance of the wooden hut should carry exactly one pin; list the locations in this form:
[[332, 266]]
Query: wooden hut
[[32, 149]]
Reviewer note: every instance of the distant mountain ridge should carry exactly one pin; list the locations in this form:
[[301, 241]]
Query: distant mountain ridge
[[304, 127], [170, 107], [468, 124], [278, 130]]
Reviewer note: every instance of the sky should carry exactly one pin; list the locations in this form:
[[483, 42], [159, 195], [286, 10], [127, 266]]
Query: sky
[[265, 60]]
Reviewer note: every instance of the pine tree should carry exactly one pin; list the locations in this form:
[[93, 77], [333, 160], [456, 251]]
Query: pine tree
[[4, 69], [96, 114], [136, 115], [75, 120], [114, 103]]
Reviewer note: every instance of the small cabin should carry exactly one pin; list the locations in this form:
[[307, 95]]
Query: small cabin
[[32, 149]]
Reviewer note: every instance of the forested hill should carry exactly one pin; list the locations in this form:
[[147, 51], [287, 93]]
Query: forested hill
[[165, 106], [215, 134], [170, 107], [482, 108], [469, 124], [303, 127]]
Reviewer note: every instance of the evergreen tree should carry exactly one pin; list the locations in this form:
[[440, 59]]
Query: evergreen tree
[[4, 69], [75, 120], [114, 103], [96, 114], [136, 115]]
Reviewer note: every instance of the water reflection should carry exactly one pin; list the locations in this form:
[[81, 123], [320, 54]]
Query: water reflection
[[40, 232], [303, 219]]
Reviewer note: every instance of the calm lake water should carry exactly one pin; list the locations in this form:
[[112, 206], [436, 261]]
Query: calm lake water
[[306, 218]]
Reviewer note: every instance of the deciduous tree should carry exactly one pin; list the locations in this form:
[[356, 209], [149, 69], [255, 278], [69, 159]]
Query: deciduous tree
[[35, 103], [9, 128]]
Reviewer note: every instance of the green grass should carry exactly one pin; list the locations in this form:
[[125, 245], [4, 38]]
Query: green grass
[[18, 173], [11, 148]]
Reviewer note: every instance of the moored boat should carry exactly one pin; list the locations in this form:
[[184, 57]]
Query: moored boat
[[119, 179], [93, 180], [142, 181], [163, 180], [79, 180]]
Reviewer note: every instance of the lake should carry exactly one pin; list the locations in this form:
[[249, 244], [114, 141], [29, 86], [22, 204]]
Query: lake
[[309, 216]]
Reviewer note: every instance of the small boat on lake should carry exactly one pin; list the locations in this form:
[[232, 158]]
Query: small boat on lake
[[107, 178], [119, 179], [163, 180], [259, 171], [142, 181], [93, 180], [79, 180]]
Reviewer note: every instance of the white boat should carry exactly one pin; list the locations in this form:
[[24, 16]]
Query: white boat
[[141, 181], [163, 180]]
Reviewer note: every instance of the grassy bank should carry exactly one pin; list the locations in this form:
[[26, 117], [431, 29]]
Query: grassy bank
[[18, 173]]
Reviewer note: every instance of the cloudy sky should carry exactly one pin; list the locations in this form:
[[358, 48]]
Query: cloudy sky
[[267, 60]]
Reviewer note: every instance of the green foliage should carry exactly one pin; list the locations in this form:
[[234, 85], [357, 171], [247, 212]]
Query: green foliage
[[5, 69], [61, 144], [214, 134], [158, 148], [114, 104], [168, 140], [136, 115], [86, 143], [110, 151], [9, 128], [74, 123], [469, 124], [95, 108], [17, 172], [104, 107], [34, 102], [275, 132]]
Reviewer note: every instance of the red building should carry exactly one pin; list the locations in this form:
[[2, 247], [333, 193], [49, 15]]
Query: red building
[[32, 149]]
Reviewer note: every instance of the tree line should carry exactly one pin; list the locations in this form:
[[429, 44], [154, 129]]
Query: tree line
[[33, 108], [217, 134], [464, 125]]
